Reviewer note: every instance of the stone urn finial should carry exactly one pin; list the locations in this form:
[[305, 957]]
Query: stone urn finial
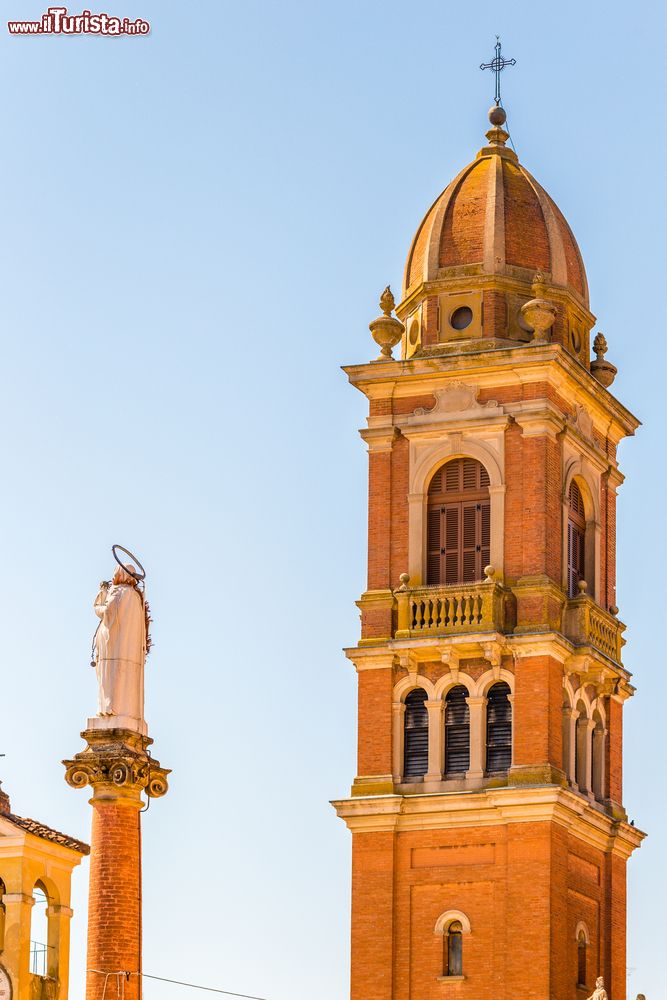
[[601, 369], [386, 329], [539, 312]]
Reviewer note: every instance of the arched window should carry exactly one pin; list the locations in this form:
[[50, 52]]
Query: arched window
[[415, 754], [498, 729], [598, 752], [459, 523], [457, 731], [576, 540], [39, 932], [3, 890], [453, 945], [582, 948], [583, 768]]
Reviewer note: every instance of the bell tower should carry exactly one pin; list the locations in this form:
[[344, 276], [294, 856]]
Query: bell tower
[[489, 836]]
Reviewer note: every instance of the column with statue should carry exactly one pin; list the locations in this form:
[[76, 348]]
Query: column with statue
[[118, 766]]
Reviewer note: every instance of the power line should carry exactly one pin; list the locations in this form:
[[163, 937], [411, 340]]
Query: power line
[[195, 986]]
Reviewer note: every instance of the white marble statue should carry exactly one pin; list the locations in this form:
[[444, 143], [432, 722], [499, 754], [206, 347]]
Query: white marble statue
[[120, 652], [599, 993]]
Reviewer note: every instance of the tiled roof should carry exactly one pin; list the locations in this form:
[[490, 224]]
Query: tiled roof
[[46, 833]]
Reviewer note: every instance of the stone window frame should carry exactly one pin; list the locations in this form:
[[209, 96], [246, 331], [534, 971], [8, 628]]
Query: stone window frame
[[426, 457], [579, 470], [442, 925], [592, 748]]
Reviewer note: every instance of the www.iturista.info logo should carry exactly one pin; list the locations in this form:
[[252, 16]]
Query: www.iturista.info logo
[[56, 21]]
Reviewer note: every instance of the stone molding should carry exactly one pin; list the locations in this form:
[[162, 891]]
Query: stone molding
[[491, 807]]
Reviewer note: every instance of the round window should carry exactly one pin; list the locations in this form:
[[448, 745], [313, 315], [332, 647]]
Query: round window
[[414, 333], [575, 339], [461, 317]]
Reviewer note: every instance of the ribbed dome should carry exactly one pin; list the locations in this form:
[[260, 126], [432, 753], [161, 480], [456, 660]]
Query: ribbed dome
[[494, 218]]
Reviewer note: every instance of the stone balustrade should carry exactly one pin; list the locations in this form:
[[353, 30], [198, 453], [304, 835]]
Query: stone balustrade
[[453, 609], [586, 624]]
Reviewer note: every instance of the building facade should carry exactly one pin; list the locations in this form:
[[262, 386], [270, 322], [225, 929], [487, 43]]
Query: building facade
[[490, 839], [36, 864]]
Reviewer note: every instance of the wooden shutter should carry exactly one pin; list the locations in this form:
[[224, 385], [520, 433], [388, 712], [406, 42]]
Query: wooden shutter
[[457, 731], [470, 520], [498, 729], [415, 750], [485, 537], [458, 523], [576, 555], [435, 545], [452, 546], [454, 950]]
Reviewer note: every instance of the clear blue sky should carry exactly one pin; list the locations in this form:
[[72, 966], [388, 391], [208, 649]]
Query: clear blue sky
[[196, 226]]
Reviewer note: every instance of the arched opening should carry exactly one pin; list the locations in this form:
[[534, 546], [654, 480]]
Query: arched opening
[[415, 744], [498, 728], [583, 753], [39, 931], [453, 949], [582, 948], [458, 523], [576, 540], [457, 731], [3, 890], [567, 738], [599, 738]]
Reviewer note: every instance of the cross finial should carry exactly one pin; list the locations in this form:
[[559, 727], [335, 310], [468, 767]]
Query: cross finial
[[498, 64]]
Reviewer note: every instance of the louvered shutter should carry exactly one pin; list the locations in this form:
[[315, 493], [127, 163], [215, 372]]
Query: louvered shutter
[[498, 729], [457, 731], [470, 517], [452, 517], [435, 543], [485, 536], [415, 753], [575, 557]]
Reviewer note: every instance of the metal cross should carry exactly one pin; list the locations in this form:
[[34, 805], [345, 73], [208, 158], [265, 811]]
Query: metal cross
[[498, 64]]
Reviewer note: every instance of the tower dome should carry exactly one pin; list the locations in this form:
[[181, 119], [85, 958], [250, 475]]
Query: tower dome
[[492, 241]]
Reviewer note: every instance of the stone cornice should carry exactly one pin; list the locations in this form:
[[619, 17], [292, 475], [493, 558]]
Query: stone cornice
[[499, 365], [490, 807]]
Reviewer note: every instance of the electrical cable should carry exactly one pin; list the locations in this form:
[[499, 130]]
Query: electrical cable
[[209, 989]]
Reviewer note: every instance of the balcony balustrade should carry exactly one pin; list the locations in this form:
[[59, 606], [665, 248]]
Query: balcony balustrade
[[453, 609], [586, 624]]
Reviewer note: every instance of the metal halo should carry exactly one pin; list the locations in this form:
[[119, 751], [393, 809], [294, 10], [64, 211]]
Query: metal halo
[[141, 575]]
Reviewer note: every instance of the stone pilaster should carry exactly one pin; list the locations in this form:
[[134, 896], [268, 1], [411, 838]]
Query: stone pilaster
[[118, 767]]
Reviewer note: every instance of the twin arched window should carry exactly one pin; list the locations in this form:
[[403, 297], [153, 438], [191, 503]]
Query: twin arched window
[[458, 523], [498, 744], [415, 745], [457, 731]]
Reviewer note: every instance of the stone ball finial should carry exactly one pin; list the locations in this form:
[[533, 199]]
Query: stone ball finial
[[386, 329], [489, 573], [497, 115], [601, 369], [582, 587], [404, 580]]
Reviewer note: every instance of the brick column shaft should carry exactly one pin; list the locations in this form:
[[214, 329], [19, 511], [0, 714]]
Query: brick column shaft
[[118, 767], [114, 904]]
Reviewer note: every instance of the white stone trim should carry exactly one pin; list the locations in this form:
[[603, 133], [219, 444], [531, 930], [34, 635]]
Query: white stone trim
[[426, 456], [446, 919], [581, 926], [589, 483]]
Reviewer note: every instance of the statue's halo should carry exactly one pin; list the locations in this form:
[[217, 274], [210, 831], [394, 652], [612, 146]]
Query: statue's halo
[[139, 574]]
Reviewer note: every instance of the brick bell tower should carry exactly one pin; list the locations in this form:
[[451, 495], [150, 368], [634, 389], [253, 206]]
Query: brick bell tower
[[489, 836]]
